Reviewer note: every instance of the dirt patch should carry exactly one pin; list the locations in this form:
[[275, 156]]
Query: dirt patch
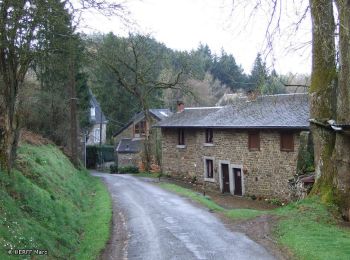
[[32, 138]]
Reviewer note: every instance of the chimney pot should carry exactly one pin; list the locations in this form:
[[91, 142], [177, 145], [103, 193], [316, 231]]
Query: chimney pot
[[180, 106]]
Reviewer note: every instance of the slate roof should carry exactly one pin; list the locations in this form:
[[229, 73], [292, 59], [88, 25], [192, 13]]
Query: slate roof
[[94, 103], [128, 145], [272, 111], [161, 113], [158, 113]]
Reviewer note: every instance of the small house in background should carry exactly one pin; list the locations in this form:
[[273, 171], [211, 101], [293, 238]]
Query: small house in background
[[129, 139], [247, 148], [97, 119]]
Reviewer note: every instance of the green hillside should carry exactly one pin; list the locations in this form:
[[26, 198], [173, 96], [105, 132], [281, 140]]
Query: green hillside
[[47, 204]]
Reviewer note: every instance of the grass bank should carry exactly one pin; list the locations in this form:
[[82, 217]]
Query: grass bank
[[308, 227], [47, 204]]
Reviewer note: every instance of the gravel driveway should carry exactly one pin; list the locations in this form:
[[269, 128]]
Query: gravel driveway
[[151, 223]]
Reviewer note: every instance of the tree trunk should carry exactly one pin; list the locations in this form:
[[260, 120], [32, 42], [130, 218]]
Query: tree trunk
[[9, 118], [342, 143], [322, 96], [147, 143]]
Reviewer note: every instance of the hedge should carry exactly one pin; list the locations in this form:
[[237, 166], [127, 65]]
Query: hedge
[[94, 152]]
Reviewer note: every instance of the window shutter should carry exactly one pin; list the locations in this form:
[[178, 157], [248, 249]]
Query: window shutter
[[254, 141], [287, 142]]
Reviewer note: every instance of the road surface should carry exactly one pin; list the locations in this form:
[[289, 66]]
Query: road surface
[[151, 223]]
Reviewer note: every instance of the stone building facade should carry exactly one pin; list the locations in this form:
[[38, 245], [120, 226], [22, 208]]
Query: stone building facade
[[129, 140], [264, 172], [252, 149]]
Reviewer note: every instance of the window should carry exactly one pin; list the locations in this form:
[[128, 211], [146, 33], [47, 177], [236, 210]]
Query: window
[[209, 168], [97, 135], [254, 141], [140, 128], [209, 136], [181, 137], [92, 113], [287, 142]]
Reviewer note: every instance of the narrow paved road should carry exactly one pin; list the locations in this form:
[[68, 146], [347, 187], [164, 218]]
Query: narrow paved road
[[151, 223]]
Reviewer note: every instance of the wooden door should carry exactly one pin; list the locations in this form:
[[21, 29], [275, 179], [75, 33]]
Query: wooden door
[[237, 176], [225, 178]]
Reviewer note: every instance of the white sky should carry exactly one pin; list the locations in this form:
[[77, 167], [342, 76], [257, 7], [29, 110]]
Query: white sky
[[182, 25]]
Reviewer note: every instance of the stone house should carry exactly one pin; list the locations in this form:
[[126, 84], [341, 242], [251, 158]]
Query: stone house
[[247, 148], [129, 139], [98, 123]]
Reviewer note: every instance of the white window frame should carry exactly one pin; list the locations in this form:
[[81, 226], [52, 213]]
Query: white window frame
[[230, 174], [97, 133], [93, 113], [237, 166]]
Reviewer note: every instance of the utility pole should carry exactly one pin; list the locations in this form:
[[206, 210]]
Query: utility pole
[[73, 108], [101, 159]]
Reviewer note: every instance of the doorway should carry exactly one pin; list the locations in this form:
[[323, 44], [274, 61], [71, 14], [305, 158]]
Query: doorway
[[225, 178], [237, 177]]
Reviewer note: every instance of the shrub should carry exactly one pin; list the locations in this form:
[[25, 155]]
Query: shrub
[[113, 168], [128, 169], [94, 152]]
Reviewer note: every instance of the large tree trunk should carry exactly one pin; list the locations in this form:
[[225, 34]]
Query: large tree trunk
[[322, 96], [342, 143], [9, 128]]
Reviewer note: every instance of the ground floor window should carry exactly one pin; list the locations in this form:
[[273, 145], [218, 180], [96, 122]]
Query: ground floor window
[[209, 170]]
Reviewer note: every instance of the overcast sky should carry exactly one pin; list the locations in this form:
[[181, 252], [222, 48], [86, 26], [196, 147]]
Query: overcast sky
[[183, 24]]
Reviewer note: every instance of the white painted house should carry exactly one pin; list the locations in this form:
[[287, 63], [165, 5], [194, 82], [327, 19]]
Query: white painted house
[[98, 122]]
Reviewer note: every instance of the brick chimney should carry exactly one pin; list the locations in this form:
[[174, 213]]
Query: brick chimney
[[180, 106]]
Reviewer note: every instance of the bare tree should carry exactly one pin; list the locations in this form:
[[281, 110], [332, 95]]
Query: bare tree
[[135, 64], [329, 93]]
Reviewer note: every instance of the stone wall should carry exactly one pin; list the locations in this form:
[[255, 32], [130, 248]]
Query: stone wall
[[129, 159], [265, 172], [136, 159]]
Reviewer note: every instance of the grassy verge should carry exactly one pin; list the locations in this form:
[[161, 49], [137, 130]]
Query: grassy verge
[[47, 204], [308, 227], [192, 195], [310, 230], [97, 224]]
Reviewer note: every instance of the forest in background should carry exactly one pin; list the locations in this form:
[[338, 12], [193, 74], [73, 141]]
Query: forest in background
[[205, 77]]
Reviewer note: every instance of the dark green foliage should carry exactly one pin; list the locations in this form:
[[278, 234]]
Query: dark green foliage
[[128, 169], [113, 168], [305, 163], [98, 154], [57, 57], [262, 80], [228, 72]]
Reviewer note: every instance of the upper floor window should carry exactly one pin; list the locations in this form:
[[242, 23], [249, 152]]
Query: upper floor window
[[287, 141], [254, 141], [181, 136], [140, 129], [209, 135], [92, 113]]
